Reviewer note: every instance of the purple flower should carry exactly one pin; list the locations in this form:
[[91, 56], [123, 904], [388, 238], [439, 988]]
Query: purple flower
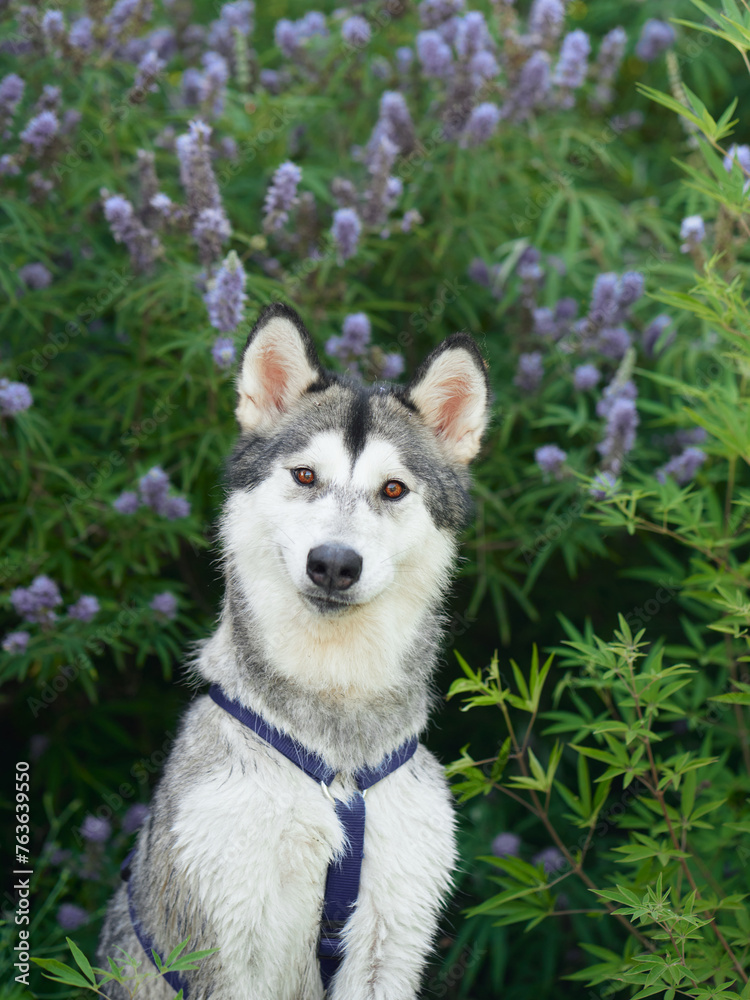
[[434, 12], [604, 300], [551, 858], [529, 372], [572, 65], [528, 267], [396, 121], [53, 26], [345, 232], [35, 603], [143, 245], [411, 218], [16, 642], [225, 297], [356, 333], [125, 11], [545, 324], [404, 58], [223, 352], [629, 289], [81, 35], [153, 487], [211, 231], [9, 166], [608, 61], [531, 87], [506, 845], [95, 829], [483, 66], [286, 37], [196, 173], [135, 817], [165, 605], [40, 131], [11, 92], [586, 377], [603, 486], [393, 365], [35, 276], [174, 508], [683, 467], [84, 609], [127, 502], [740, 155], [313, 23], [479, 271], [652, 337], [481, 124], [119, 214], [281, 196], [149, 69], [434, 55], [213, 81], [546, 19], [656, 36], [693, 232], [15, 397], [613, 342], [356, 32], [550, 459], [619, 439], [70, 917]]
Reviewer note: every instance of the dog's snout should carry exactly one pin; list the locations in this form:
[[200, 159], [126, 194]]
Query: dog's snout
[[333, 567]]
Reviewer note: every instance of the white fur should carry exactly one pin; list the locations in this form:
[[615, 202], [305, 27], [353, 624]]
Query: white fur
[[452, 398], [264, 891], [269, 532], [275, 371]]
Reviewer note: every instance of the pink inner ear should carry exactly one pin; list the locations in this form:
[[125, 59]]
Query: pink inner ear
[[274, 377], [455, 394]]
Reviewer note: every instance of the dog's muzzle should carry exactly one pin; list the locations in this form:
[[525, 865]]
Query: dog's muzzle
[[333, 567]]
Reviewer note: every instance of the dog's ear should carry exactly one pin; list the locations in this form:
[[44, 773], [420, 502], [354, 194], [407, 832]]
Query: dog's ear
[[451, 392], [279, 363]]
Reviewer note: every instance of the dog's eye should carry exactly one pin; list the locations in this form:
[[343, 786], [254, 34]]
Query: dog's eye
[[304, 476], [393, 489]]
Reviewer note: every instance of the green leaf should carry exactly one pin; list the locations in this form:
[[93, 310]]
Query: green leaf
[[81, 961]]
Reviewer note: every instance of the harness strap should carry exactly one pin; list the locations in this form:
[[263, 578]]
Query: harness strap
[[342, 879]]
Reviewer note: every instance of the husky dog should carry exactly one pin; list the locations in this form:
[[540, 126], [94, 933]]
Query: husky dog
[[339, 534]]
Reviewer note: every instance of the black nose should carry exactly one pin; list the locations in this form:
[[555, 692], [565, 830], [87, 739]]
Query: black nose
[[333, 567]]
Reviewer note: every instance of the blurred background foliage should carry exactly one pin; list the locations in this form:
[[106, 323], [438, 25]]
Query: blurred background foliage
[[533, 196]]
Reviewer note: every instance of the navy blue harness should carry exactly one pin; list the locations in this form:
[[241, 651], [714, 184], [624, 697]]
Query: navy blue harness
[[342, 880]]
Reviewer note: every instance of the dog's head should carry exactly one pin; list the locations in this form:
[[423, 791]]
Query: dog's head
[[346, 500]]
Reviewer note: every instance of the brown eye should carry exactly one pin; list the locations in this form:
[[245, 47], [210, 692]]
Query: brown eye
[[393, 489], [304, 476]]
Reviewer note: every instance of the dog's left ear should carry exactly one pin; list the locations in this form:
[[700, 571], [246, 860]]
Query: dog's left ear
[[278, 365], [451, 392]]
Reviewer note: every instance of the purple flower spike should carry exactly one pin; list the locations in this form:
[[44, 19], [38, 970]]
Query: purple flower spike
[[356, 333], [135, 817], [550, 459], [15, 397], [572, 65], [532, 86], [506, 845], [683, 467], [608, 61], [95, 829], [281, 196], [630, 289], [165, 605], [70, 917], [740, 155], [345, 232], [530, 372], [11, 92], [40, 131], [225, 298], [16, 642], [211, 231], [653, 336], [356, 32], [433, 54], [586, 377], [619, 440], [35, 276], [223, 352], [173, 508], [551, 858], [603, 486], [393, 366], [546, 19], [693, 232], [482, 123], [84, 609], [35, 603], [153, 487], [656, 36], [127, 502], [81, 34]]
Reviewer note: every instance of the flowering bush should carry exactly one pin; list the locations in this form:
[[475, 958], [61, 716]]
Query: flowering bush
[[398, 172]]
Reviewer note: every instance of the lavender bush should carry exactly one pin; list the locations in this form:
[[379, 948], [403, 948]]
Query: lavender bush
[[398, 172]]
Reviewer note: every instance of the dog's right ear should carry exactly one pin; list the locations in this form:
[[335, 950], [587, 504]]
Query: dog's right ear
[[279, 363]]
